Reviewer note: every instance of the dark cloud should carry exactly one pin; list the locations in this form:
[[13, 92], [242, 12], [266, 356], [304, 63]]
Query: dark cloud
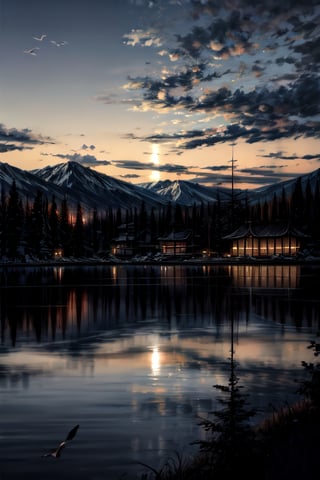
[[130, 176], [258, 115], [262, 114], [9, 147], [169, 168], [217, 168], [88, 160], [132, 164], [24, 136], [88, 147], [266, 172], [226, 37], [274, 48], [251, 176], [218, 179], [281, 156]]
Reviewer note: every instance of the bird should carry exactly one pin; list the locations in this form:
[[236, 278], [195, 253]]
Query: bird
[[59, 44], [57, 452], [31, 51], [39, 39]]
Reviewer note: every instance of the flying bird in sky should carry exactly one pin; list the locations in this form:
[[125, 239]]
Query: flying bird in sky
[[31, 51], [57, 452], [59, 44], [39, 39]]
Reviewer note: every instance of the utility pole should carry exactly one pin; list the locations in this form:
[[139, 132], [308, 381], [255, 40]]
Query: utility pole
[[232, 189]]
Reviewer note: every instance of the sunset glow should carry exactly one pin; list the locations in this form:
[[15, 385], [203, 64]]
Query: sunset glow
[[170, 94]]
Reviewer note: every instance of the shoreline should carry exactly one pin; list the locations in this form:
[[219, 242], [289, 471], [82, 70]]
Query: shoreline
[[172, 262]]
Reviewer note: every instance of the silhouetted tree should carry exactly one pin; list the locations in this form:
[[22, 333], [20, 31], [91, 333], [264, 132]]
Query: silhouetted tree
[[297, 205], [37, 224], [230, 441], [3, 222], [65, 228], [14, 221], [54, 225], [78, 233]]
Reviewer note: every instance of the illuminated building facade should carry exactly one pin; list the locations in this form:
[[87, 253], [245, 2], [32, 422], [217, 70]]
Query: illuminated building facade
[[265, 241], [177, 243]]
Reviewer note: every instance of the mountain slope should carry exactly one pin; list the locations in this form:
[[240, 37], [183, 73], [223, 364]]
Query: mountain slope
[[27, 183], [188, 193], [266, 194], [97, 189]]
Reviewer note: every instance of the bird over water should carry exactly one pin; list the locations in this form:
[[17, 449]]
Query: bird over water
[[56, 453]]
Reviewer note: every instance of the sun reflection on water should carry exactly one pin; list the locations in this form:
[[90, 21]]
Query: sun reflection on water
[[155, 361]]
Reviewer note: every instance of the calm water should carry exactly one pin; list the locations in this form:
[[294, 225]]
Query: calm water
[[131, 354]]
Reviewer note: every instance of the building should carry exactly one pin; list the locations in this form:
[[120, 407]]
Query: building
[[124, 244], [265, 241], [129, 242], [177, 243]]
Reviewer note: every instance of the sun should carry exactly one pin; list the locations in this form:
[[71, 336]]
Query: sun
[[155, 174]]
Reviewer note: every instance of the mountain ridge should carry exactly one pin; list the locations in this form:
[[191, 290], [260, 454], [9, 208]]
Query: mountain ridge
[[97, 187], [95, 190]]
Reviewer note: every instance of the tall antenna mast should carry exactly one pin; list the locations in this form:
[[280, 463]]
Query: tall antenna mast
[[232, 189]]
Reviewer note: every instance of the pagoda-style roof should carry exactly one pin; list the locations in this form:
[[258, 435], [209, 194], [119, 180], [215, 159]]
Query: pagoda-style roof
[[275, 230], [176, 236]]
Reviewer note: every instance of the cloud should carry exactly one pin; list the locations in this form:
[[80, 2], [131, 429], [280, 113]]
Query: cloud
[[280, 155], [242, 177], [88, 147], [169, 168], [130, 176], [272, 48], [113, 99], [266, 172], [24, 136], [88, 160], [217, 168], [143, 38], [9, 147]]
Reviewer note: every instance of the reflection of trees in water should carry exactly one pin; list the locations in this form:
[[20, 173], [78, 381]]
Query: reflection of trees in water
[[54, 303]]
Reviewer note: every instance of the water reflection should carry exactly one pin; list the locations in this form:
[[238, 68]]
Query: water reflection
[[59, 302], [131, 353]]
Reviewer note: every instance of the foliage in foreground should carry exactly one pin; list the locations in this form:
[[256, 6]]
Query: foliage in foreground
[[232, 447]]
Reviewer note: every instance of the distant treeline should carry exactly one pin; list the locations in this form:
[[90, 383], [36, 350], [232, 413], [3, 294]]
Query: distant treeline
[[42, 227]]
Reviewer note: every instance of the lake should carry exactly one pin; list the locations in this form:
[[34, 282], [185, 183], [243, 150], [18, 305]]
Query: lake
[[131, 354]]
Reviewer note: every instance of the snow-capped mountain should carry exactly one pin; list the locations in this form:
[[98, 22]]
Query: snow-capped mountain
[[188, 193], [27, 183], [97, 189], [94, 190], [78, 184]]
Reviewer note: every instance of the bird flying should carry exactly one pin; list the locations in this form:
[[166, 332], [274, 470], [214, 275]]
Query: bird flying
[[57, 452], [31, 51], [59, 44], [39, 39]]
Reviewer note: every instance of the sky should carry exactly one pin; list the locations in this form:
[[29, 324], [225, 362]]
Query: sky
[[148, 90]]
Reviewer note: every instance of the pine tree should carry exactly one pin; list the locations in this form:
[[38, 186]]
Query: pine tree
[[230, 442], [14, 222], [65, 228], [3, 223], [54, 225], [284, 207], [297, 205], [37, 223], [78, 233], [95, 231]]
